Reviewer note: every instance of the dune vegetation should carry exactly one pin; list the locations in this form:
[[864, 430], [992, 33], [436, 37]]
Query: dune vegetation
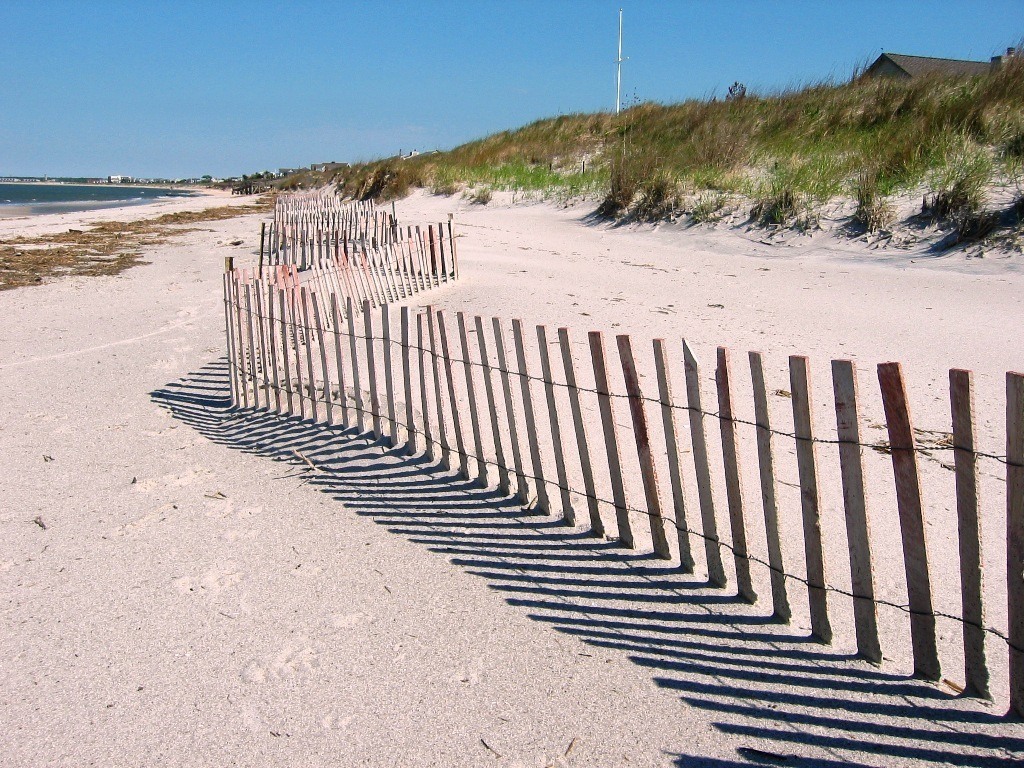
[[779, 157]]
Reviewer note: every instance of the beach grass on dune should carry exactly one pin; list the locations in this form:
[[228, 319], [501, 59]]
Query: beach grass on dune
[[786, 152]]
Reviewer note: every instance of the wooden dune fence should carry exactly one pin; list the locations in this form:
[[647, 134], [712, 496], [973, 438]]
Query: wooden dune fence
[[305, 227], [514, 412]]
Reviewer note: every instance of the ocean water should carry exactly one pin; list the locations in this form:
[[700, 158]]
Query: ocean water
[[34, 199]]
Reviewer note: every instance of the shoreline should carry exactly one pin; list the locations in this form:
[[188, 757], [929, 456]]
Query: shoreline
[[51, 222], [49, 247], [27, 208]]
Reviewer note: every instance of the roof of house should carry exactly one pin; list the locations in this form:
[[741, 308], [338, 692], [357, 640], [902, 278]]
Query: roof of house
[[920, 66]]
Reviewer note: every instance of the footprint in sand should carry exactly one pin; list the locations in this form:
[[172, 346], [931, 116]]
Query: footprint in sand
[[296, 659], [181, 480], [336, 722], [222, 509], [145, 521], [211, 583], [347, 620]]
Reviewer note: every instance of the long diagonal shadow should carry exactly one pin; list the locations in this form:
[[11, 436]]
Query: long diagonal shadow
[[759, 679]]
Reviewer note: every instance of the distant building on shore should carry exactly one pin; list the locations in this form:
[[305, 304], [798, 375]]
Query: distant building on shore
[[322, 167], [119, 179], [905, 67]]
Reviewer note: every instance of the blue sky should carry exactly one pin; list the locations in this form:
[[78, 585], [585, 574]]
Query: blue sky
[[159, 88]]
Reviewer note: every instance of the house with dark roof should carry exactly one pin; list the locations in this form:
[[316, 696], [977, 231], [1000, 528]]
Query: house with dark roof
[[902, 66]]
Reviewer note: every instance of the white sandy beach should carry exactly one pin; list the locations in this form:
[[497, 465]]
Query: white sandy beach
[[173, 596]]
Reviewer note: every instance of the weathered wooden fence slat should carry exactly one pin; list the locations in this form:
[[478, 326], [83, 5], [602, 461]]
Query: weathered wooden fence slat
[[568, 514], [702, 468], [453, 399], [814, 553], [474, 411], [611, 441], [844, 385], [668, 422], [642, 437], [435, 368], [339, 361], [504, 486], [911, 512], [353, 353], [580, 428], [522, 487], [1015, 536], [769, 504], [961, 397], [733, 485], [529, 418], [410, 423]]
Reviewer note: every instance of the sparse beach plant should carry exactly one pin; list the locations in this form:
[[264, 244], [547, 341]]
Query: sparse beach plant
[[659, 197], [874, 212], [481, 196], [708, 207], [958, 180]]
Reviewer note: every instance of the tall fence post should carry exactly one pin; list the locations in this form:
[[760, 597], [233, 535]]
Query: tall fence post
[[389, 376], [556, 431], [442, 432], [460, 442], [668, 421], [492, 408], [410, 424], [522, 488], [474, 411], [339, 359], [353, 349]]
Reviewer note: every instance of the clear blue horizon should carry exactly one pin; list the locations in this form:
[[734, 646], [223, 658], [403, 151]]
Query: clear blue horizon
[[223, 88]]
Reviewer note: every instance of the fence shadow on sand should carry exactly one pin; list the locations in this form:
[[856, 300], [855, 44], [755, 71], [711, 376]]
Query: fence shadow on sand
[[794, 701]]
